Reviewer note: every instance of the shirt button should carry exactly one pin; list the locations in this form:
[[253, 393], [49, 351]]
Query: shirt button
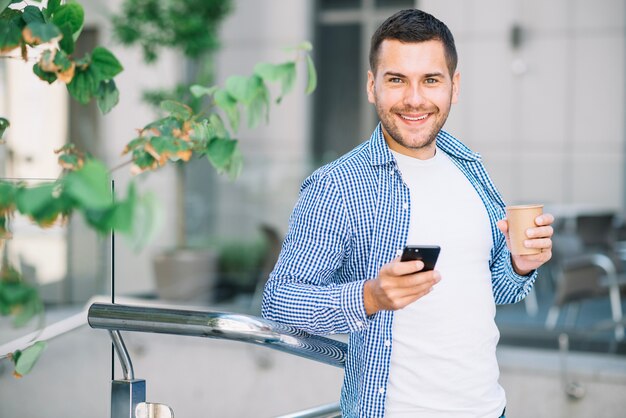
[[391, 172], [387, 343], [405, 205], [381, 390], [359, 323]]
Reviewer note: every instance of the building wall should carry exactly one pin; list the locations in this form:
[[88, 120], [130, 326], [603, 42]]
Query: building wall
[[547, 116], [277, 154]]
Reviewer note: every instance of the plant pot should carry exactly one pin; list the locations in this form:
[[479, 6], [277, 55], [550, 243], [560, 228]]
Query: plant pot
[[186, 275]]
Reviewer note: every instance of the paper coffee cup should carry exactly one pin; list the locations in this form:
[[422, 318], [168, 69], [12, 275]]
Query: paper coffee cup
[[520, 219]]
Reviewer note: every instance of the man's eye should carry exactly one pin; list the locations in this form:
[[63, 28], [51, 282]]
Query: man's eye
[[431, 80], [395, 80]]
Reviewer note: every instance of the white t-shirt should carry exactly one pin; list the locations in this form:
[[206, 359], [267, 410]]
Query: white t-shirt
[[443, 361]]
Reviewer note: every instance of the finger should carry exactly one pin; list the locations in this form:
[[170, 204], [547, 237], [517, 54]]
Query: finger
[[417, 281], [540, 232], [402, 268], [503, 226], [541, 243], [544, 219]]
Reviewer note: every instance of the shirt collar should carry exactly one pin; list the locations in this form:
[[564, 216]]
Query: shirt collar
[[381, 155]]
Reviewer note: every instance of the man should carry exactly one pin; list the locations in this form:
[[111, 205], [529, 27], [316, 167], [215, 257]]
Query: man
[[422, 343]]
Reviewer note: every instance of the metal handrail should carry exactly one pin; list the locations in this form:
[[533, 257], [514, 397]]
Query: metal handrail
[[220, 325]]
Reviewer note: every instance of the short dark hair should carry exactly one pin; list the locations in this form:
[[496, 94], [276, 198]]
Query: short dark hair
[[414, 25]]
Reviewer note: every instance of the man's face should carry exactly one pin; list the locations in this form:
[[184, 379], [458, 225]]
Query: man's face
[[413, 92]]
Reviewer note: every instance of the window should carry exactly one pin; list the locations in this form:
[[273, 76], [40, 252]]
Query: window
[[343, 117]]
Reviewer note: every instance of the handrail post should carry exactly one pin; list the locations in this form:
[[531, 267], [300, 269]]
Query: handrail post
[[129, 392], [125, 396]]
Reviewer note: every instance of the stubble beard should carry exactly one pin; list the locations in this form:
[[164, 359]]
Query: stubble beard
[[390, 126]]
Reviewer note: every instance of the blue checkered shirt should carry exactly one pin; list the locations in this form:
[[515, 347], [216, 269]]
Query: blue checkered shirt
[[352, 218]]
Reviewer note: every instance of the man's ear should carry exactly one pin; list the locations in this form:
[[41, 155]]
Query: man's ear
[[370, 87], [456, 84]]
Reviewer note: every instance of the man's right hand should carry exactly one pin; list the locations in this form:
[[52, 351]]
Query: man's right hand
[[399, 283]]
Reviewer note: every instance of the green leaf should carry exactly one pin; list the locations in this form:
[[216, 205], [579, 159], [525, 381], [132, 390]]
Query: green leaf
[[10, 35], [244, 89], [228, 104], [41, 32], [51, 7], [68, 160], [217, 125], [258, 109], [104, 64], [90, 186], [236, 164], [312, 75], [4, 124], [220, 152], [7, 194], [177, 109], [44, 75], [62, 61], [108, 96], [99, 219], [29, 357], [284, 73], [71, 14], [32, 14], [34, 200], [123, 213], [147, 220], [163, 144], [199, 91], [14, 291], [67, 43], [83, 86], [142, 159]]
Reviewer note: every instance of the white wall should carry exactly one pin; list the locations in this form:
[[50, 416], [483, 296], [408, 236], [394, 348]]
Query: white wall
[[554, 132], [277, 154]]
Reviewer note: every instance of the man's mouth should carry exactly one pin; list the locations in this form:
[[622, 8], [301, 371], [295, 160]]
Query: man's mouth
[[414, 118]]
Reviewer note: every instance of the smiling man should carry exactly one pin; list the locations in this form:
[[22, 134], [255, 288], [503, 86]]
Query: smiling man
[[422, 343]]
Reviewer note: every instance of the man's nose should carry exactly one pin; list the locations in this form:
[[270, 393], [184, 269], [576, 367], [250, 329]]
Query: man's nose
[[414, 96]]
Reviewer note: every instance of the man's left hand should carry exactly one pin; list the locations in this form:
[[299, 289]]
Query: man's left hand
[[538, 237]]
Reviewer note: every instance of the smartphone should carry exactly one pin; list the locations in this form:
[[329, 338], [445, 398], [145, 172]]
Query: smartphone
[[428, 254]]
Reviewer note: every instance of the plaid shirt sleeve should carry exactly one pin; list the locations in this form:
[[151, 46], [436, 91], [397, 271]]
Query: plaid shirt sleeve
[[508, 286], [305, 289]]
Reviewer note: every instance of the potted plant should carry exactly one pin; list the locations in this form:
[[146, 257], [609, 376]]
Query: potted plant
[[182, 273], [180, 134]]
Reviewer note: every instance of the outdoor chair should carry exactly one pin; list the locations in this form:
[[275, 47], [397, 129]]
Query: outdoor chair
[[587, 277], [596, 231]]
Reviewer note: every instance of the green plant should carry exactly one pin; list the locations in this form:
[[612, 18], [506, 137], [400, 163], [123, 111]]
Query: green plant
[[181, 134], [189, 25], [239, 262]]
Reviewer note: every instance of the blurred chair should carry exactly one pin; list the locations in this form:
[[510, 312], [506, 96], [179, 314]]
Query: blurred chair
[[596, 231], [585, 277], [274, 245]]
